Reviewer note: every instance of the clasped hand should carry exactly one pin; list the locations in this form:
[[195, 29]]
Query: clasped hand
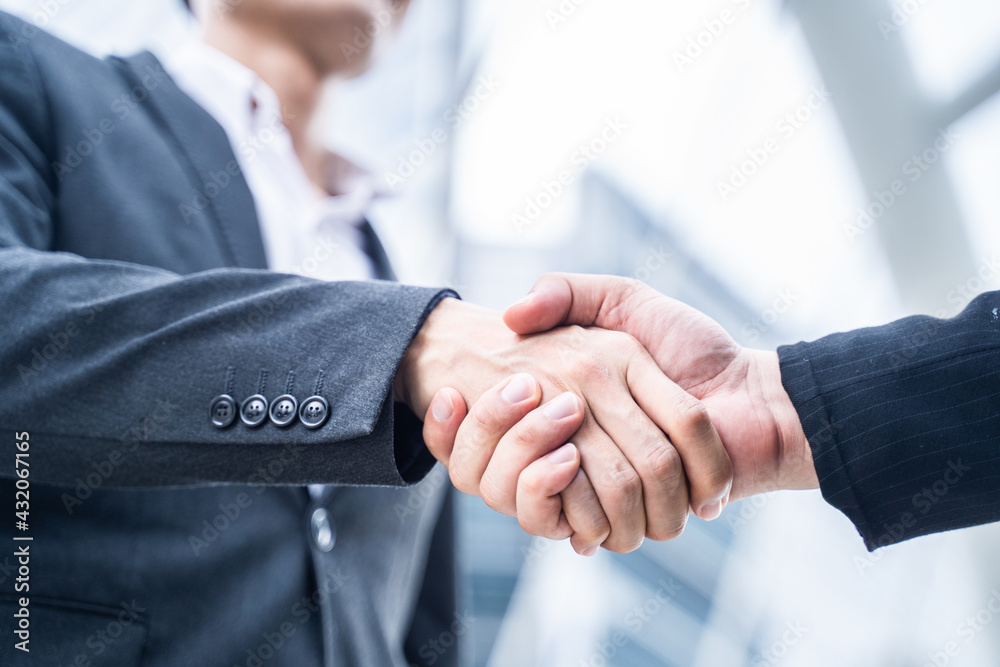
[[599, 410]]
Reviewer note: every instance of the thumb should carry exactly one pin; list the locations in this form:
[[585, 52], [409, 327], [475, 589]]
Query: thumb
[[444, 415], [545, 307], [560, 299]]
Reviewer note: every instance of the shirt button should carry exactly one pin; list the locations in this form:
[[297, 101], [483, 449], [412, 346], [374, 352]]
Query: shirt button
[[283, 410], [222, 411], [322, 530], [314, 411], [253, 412]]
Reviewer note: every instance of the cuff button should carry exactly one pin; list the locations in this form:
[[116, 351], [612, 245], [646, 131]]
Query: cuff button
[[222, 411], [253, 412], [314, 412], [283, 410]]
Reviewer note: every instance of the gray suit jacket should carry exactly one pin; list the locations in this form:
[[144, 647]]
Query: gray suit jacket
[[134, 295]]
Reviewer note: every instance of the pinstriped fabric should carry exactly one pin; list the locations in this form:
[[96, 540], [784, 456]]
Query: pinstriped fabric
[[904, 421]]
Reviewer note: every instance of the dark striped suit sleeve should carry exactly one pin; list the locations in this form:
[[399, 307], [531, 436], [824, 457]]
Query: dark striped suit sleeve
[[904, 421]]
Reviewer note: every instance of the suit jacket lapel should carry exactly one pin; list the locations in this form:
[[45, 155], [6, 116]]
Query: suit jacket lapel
[[207, 152]]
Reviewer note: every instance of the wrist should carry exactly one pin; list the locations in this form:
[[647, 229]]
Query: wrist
[[795, 468], [406, 387], [457, 346]]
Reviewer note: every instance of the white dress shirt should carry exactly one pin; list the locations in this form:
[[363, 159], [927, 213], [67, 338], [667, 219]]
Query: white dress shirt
[[306, 230]]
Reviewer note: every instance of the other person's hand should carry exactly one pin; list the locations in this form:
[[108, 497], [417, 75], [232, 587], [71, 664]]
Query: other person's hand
[[741, 388]]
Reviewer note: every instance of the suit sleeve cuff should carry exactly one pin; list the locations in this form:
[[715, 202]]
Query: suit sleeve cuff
[[413, 459], [831, 469]]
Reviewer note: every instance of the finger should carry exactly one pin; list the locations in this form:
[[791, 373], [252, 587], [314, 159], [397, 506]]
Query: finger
[[684, 419], [617, 485], [586, 518], [490, 418], [539, 505], [563, 298], [444, 417], [540, 432], [656, 464]]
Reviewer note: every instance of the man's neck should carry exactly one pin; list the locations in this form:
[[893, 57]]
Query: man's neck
[[295, 80]]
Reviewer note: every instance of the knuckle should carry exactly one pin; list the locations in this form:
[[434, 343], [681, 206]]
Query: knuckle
[[622, 291], [719, 478], [531, 487], [662, 464], [572, 343], [693, 415], [492, 494], [460, 480], [576, 337], [528, 434], [590, 363], [593, 527], [670, 531], [432, 439], [626, 343], [585, 352], [626, 485], [623, 545], [488, 415], [530, 526], [628, 286], [543, 526]]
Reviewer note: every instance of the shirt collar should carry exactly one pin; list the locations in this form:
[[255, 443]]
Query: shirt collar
[[231, 92], [244, 105]]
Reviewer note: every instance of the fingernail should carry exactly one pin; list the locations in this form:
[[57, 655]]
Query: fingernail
[[520, 389], [589, 552], [564, 454], [562, 406], [711, 512], [441, 407], [524, 299]]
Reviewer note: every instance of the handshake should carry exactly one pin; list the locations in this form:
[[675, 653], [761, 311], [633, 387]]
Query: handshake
[[600, 410]]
